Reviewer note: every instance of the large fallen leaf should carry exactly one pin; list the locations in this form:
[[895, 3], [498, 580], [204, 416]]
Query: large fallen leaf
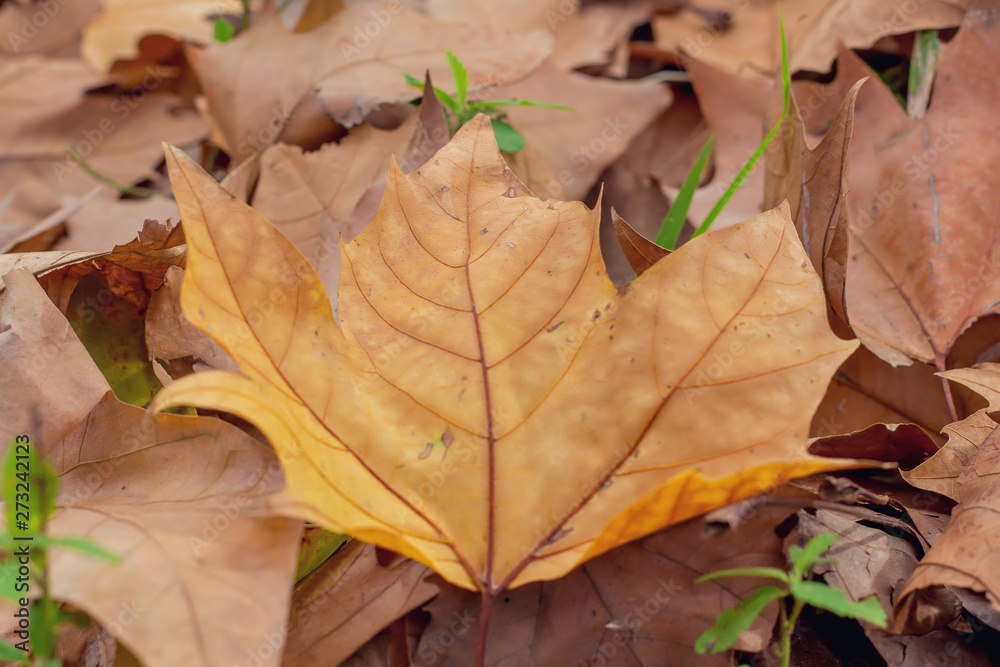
[[492, 406], [254, 95], [965, 556], [922, 266]]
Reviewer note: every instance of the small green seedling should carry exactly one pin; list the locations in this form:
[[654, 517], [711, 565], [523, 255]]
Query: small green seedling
[[460, 111], [732, 622], [673, 223], [29, 492]]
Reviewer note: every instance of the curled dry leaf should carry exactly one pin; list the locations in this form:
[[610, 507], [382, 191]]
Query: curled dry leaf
[[640, 252], [814, 182], [941, 473], [967, 469], [256, 84], [492, 405]]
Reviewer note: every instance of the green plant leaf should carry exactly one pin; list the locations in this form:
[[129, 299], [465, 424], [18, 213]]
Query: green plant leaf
[[508, 139], [786, 83], [8, 577], [802, 559], [42, 626], [8, 653], [438, 93], [732, 622], [28, 489], [461, 78], [772, 572], [493, 104], [834, 600], [87, 546], [674, 222], [223, 31]]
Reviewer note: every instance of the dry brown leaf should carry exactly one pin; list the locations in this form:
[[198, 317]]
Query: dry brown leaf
[[47, 30], [352, 597], [115, 33], [640, 251], [906, 444], [942, 472], [924, 244], [513, 15], [180, 499], [120, 138], [254, 95], [865, 391], [48, 380], [312, 196], [749, 41], [577, 147], [438, 347], [814, 182], [40, 263]]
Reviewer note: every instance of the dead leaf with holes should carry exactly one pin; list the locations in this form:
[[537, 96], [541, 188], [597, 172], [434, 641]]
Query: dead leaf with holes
[[491, 405]]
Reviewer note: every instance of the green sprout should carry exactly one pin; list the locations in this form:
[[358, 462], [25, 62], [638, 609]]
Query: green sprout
[[673, 223], [732, 622], [29, 494], [459, 110]]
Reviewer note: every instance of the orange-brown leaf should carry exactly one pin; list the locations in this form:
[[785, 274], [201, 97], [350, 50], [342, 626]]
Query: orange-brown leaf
[[492, 406]]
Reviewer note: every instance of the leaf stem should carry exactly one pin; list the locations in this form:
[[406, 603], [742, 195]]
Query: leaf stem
[[484, 627], [134, 190], [787, 627]]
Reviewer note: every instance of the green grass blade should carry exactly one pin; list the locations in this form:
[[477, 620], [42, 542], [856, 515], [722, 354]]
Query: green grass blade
[[923, 66], [745, 171], [674, 222], [772, 572], [461, 77], [492, 104]]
